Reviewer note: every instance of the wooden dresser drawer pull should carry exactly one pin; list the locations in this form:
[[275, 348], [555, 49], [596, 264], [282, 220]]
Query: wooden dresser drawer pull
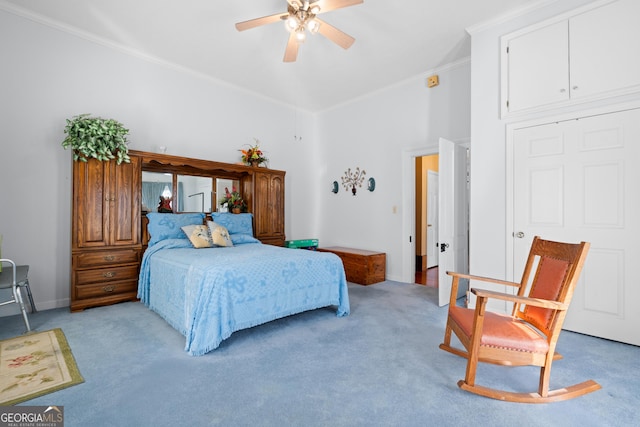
[[109, 274], [109, 288], [109, 257]]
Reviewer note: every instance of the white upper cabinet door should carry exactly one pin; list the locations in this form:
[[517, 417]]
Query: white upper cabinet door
[[605, 49], [538, 67], [582, 56]]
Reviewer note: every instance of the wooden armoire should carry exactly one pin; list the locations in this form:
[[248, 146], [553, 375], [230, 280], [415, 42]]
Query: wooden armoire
[[105, 232], [268, 206], [108, 227]]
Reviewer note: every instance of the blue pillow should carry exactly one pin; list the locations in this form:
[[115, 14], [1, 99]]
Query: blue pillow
[[236, 223], [239, 239], [169, 226]]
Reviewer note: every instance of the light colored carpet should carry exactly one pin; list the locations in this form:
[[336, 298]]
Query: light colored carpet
[[379, 366]]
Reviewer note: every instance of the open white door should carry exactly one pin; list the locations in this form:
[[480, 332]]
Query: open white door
[[452, 217]]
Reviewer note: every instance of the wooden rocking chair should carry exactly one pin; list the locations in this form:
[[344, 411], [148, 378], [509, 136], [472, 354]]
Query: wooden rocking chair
[[530, 334]]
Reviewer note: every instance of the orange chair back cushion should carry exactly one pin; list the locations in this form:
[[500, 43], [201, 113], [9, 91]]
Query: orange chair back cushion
[[547, 285]]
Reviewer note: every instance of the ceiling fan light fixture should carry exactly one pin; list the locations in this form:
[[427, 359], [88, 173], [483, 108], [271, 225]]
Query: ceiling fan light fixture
[[299, 18], [313, 26], [295, 4], [292, 22], [301, 36]]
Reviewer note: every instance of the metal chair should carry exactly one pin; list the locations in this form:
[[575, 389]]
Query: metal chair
[[15, 278]]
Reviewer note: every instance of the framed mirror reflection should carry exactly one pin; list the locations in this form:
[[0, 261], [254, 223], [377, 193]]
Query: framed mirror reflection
[[156, 186], [194, 194], [170, 192], [222, 186]]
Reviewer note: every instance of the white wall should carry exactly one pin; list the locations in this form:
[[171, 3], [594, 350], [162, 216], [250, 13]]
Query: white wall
[[488, 231], [374, 133], [48, 75]]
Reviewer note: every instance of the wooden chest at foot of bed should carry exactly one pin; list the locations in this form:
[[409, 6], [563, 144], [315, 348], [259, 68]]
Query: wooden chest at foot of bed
[[361, 266]]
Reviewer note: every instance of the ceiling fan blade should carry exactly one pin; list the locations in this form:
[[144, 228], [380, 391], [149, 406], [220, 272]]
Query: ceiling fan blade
[[329, 5], [340, 38], [291, 53], [252, 23]]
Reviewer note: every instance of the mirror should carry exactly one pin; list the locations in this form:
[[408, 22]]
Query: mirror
[[222, 184], [194, 193], [153, 185]]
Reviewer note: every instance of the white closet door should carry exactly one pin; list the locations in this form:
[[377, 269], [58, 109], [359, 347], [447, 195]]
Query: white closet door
[[539, 67], [580, 180], [604, 49]]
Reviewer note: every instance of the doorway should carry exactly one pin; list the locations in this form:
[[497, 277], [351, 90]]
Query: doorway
[[428, 277], [426, 220], [453, 168]]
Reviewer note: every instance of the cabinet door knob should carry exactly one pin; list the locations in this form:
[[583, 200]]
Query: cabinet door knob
[[109, 288], [109, 258], [563, 90], [109, 274], [575, 88]]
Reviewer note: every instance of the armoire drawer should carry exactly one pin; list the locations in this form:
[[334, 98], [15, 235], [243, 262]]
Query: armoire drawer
[[104, 275], [111, 257], [106, 289]]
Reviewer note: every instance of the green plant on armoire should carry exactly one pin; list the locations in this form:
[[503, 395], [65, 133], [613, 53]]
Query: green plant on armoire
[[98, 138]]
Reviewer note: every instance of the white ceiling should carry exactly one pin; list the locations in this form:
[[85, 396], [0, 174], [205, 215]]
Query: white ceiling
[[395, 40]]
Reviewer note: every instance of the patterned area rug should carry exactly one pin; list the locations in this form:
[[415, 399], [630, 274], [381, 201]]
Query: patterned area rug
[[35, 364]]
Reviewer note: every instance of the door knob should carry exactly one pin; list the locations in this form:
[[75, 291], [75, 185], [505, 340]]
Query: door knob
[[519, 234], [443, 247]]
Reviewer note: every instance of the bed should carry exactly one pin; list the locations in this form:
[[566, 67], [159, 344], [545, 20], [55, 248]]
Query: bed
[[208, 290]]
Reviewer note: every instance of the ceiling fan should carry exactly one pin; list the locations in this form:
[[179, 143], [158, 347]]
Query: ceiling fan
[[300, 17]]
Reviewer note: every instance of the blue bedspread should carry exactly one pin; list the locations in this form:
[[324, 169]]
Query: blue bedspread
[[207, 294]]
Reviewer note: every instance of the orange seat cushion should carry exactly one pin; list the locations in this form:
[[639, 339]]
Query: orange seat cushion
[[501, 331]]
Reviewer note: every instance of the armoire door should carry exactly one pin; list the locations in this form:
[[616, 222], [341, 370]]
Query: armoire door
[[579, 180], [269, 207], [90, 227], [125, 190], [106, 203]]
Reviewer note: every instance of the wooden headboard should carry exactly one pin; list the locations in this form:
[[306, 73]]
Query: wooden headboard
[[261, 188]]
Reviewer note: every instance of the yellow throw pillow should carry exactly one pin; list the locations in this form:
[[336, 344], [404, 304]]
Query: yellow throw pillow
[[198, 235], [219, 234]]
